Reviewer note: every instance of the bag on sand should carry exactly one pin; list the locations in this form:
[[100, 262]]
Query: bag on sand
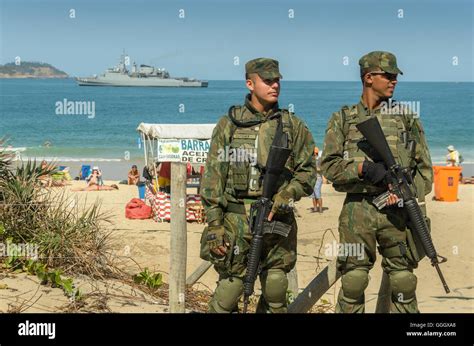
[[137, 209]]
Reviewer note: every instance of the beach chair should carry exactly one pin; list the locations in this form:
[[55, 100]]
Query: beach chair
[[85, 171]]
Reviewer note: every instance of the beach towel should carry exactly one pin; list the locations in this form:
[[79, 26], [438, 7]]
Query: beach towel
[[137, 209]]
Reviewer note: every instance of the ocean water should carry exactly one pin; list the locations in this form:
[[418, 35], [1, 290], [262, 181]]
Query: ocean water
[[28, 113]]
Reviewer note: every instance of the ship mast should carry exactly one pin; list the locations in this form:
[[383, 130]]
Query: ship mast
[[122, 65]]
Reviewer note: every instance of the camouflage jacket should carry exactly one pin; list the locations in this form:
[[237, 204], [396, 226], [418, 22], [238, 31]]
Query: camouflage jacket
[[215, 192], [340, 167]]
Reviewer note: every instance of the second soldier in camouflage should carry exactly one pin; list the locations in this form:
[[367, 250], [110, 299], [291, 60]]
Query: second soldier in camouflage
[[353, 168]]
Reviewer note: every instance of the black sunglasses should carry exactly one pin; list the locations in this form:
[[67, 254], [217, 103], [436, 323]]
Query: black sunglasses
[[386, 75]]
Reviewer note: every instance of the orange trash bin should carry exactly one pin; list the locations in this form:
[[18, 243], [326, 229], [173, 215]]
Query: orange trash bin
[[446, 181]]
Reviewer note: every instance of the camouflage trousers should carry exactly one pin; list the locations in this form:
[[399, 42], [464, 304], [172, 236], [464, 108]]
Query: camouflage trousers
[[362, 226], [278, 258]]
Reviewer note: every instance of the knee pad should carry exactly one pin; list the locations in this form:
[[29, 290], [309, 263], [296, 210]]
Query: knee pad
[[274, 287], [354, 283], [226, 295], [403, 284]]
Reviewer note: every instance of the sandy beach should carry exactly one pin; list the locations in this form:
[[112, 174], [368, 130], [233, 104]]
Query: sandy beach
[[145, 243]]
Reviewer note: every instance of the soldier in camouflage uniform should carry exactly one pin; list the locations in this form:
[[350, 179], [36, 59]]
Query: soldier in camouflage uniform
[[348, 161], [239, 149]]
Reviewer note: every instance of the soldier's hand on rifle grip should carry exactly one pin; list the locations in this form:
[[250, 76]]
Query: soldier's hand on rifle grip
[[392, 198], [282, 203], [216, 240]]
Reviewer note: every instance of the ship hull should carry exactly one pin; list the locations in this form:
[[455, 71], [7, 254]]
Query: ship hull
[[142, 82]]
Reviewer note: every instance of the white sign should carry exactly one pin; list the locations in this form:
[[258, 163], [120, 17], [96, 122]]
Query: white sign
[[183, 150]]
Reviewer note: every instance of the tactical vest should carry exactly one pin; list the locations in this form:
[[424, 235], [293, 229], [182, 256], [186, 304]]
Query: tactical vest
[[248, 152], [397, 130]]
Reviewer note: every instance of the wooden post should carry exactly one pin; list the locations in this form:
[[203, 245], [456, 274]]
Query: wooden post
[[178, 246], [198, 273], [316, 288], [384, 297]]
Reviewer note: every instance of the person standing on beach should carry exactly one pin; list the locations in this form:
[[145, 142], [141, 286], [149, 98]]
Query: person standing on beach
[[453, 159], [316, 196], [237, 156], [348, 161]]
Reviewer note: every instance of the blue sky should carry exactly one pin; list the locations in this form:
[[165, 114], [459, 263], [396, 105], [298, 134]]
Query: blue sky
[[310, 46]]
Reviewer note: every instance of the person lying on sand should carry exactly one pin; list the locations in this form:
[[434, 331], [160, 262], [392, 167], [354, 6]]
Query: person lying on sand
[[56, 179], [96, 187]]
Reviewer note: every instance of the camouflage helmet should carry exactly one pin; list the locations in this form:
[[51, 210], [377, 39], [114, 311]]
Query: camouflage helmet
[[266, 68], [379, 60]]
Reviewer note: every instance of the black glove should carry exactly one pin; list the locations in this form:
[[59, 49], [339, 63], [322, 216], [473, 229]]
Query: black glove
[[373, 172]]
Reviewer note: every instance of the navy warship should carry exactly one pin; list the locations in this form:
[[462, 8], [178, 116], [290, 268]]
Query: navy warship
[[141, 76]]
